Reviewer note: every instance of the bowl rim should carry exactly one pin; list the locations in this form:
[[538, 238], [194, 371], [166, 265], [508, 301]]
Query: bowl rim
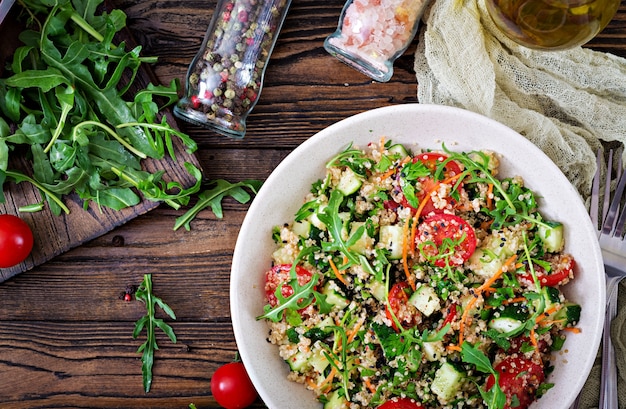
[[241, 322]]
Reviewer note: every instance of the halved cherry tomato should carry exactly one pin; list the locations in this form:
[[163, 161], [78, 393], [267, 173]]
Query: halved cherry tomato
[[231, 387], [520, 378], [406, 313], [446, 238], [432, 160], [561, 271], [279, 275], [400, 403]]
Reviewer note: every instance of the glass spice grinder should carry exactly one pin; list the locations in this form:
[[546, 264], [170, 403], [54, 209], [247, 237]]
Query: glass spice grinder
[[225, 78]]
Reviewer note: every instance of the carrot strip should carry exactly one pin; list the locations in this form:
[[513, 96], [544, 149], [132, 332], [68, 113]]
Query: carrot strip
[[327, 381], [489, 196], [575, 330], [547, 313], [355, 330], [533, 337], [369, 385], [338, 273]]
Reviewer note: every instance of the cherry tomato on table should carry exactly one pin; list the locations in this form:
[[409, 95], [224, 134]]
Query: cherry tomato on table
[[400, 403], [16, 240], [519, 379], [446, 239], [231, 386]]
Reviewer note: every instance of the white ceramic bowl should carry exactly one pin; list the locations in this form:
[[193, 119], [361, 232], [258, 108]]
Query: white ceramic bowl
[[423, 126]]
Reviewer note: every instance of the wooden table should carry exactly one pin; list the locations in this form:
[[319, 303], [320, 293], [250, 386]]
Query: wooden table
[[65, 334]]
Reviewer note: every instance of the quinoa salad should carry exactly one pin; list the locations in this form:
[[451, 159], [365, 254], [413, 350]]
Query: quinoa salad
[[419, 280]]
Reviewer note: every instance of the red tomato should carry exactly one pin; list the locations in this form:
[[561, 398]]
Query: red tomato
[[279, 275], [454, 239], [231, 386], [399, 303], [432, 160], [561, 271], [400, 403], [519, 377], [16, 240]]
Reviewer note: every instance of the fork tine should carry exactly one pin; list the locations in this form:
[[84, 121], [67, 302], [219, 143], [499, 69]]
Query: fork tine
[[610, 225], [607, 194], [621, 221], [595, 191]]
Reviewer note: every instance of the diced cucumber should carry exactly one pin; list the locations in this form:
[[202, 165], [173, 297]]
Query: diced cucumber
[[336, 401], [505, 325], [509, 319], [433, 350], [551, 235], [302, 228], [425, 299], [283, 255], [447, 382], [570, 312], [365, 243], [318, 361], [378, 290], [489, 257], [315, 221], [392, 239], [326, 322], [398, 150], [349, 182], [334, 297], [299, 362]]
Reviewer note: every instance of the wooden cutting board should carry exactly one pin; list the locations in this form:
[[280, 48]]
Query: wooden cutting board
[[54, 235]]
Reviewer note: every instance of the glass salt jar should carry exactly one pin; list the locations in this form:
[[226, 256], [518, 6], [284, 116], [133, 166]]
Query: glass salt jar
[[372, 34], [551, 25], [225, 78]]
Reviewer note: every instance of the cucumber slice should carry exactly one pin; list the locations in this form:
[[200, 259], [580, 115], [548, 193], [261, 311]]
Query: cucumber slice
[[365, 243], [299, 362], [336, 401], [334, 297], [398, 150], [570, 312], [391, 238], [551, 235], [433, 350], [426, 300], [505, 325], [448, 381], [349, 182], [302, 228]]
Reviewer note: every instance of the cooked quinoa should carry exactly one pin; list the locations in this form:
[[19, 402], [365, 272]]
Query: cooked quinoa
[[420, 276]]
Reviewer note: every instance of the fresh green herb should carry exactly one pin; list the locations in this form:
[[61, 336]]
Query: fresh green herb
[[65, 107], [150, 323], [354, 159], [494, 398], [213, 198]]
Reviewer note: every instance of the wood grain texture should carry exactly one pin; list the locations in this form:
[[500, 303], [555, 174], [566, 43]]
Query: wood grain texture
[[65, 334]]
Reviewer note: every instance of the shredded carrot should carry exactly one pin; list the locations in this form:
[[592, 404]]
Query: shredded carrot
[[465, 319], [489, 196], [387, 174], [355, 330], [514, 300], [575, 330], [311, 384], [421, 206], [369, 385], [338, 273], [547, 313], [327, 381], [547, 323], [533, 337]]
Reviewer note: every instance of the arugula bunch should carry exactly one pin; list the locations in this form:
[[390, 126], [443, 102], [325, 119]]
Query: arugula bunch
[[66, 107]]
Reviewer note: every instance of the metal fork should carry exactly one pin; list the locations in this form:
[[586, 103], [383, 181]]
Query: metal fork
[[611, 237]]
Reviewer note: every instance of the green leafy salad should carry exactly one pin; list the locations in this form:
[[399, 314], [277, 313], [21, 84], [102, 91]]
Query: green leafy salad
[[418, 280]]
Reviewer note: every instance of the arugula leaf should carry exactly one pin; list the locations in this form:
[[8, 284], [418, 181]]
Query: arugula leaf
[[494, 398], [334, 223], [150, 323]]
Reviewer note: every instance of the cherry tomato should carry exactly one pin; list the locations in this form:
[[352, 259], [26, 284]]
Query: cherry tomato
[[400, 403], [231, 386], [406, 313], [561, 271], [447, 238], [519, 378], [279, 275], [16, 240], [432, 160]]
